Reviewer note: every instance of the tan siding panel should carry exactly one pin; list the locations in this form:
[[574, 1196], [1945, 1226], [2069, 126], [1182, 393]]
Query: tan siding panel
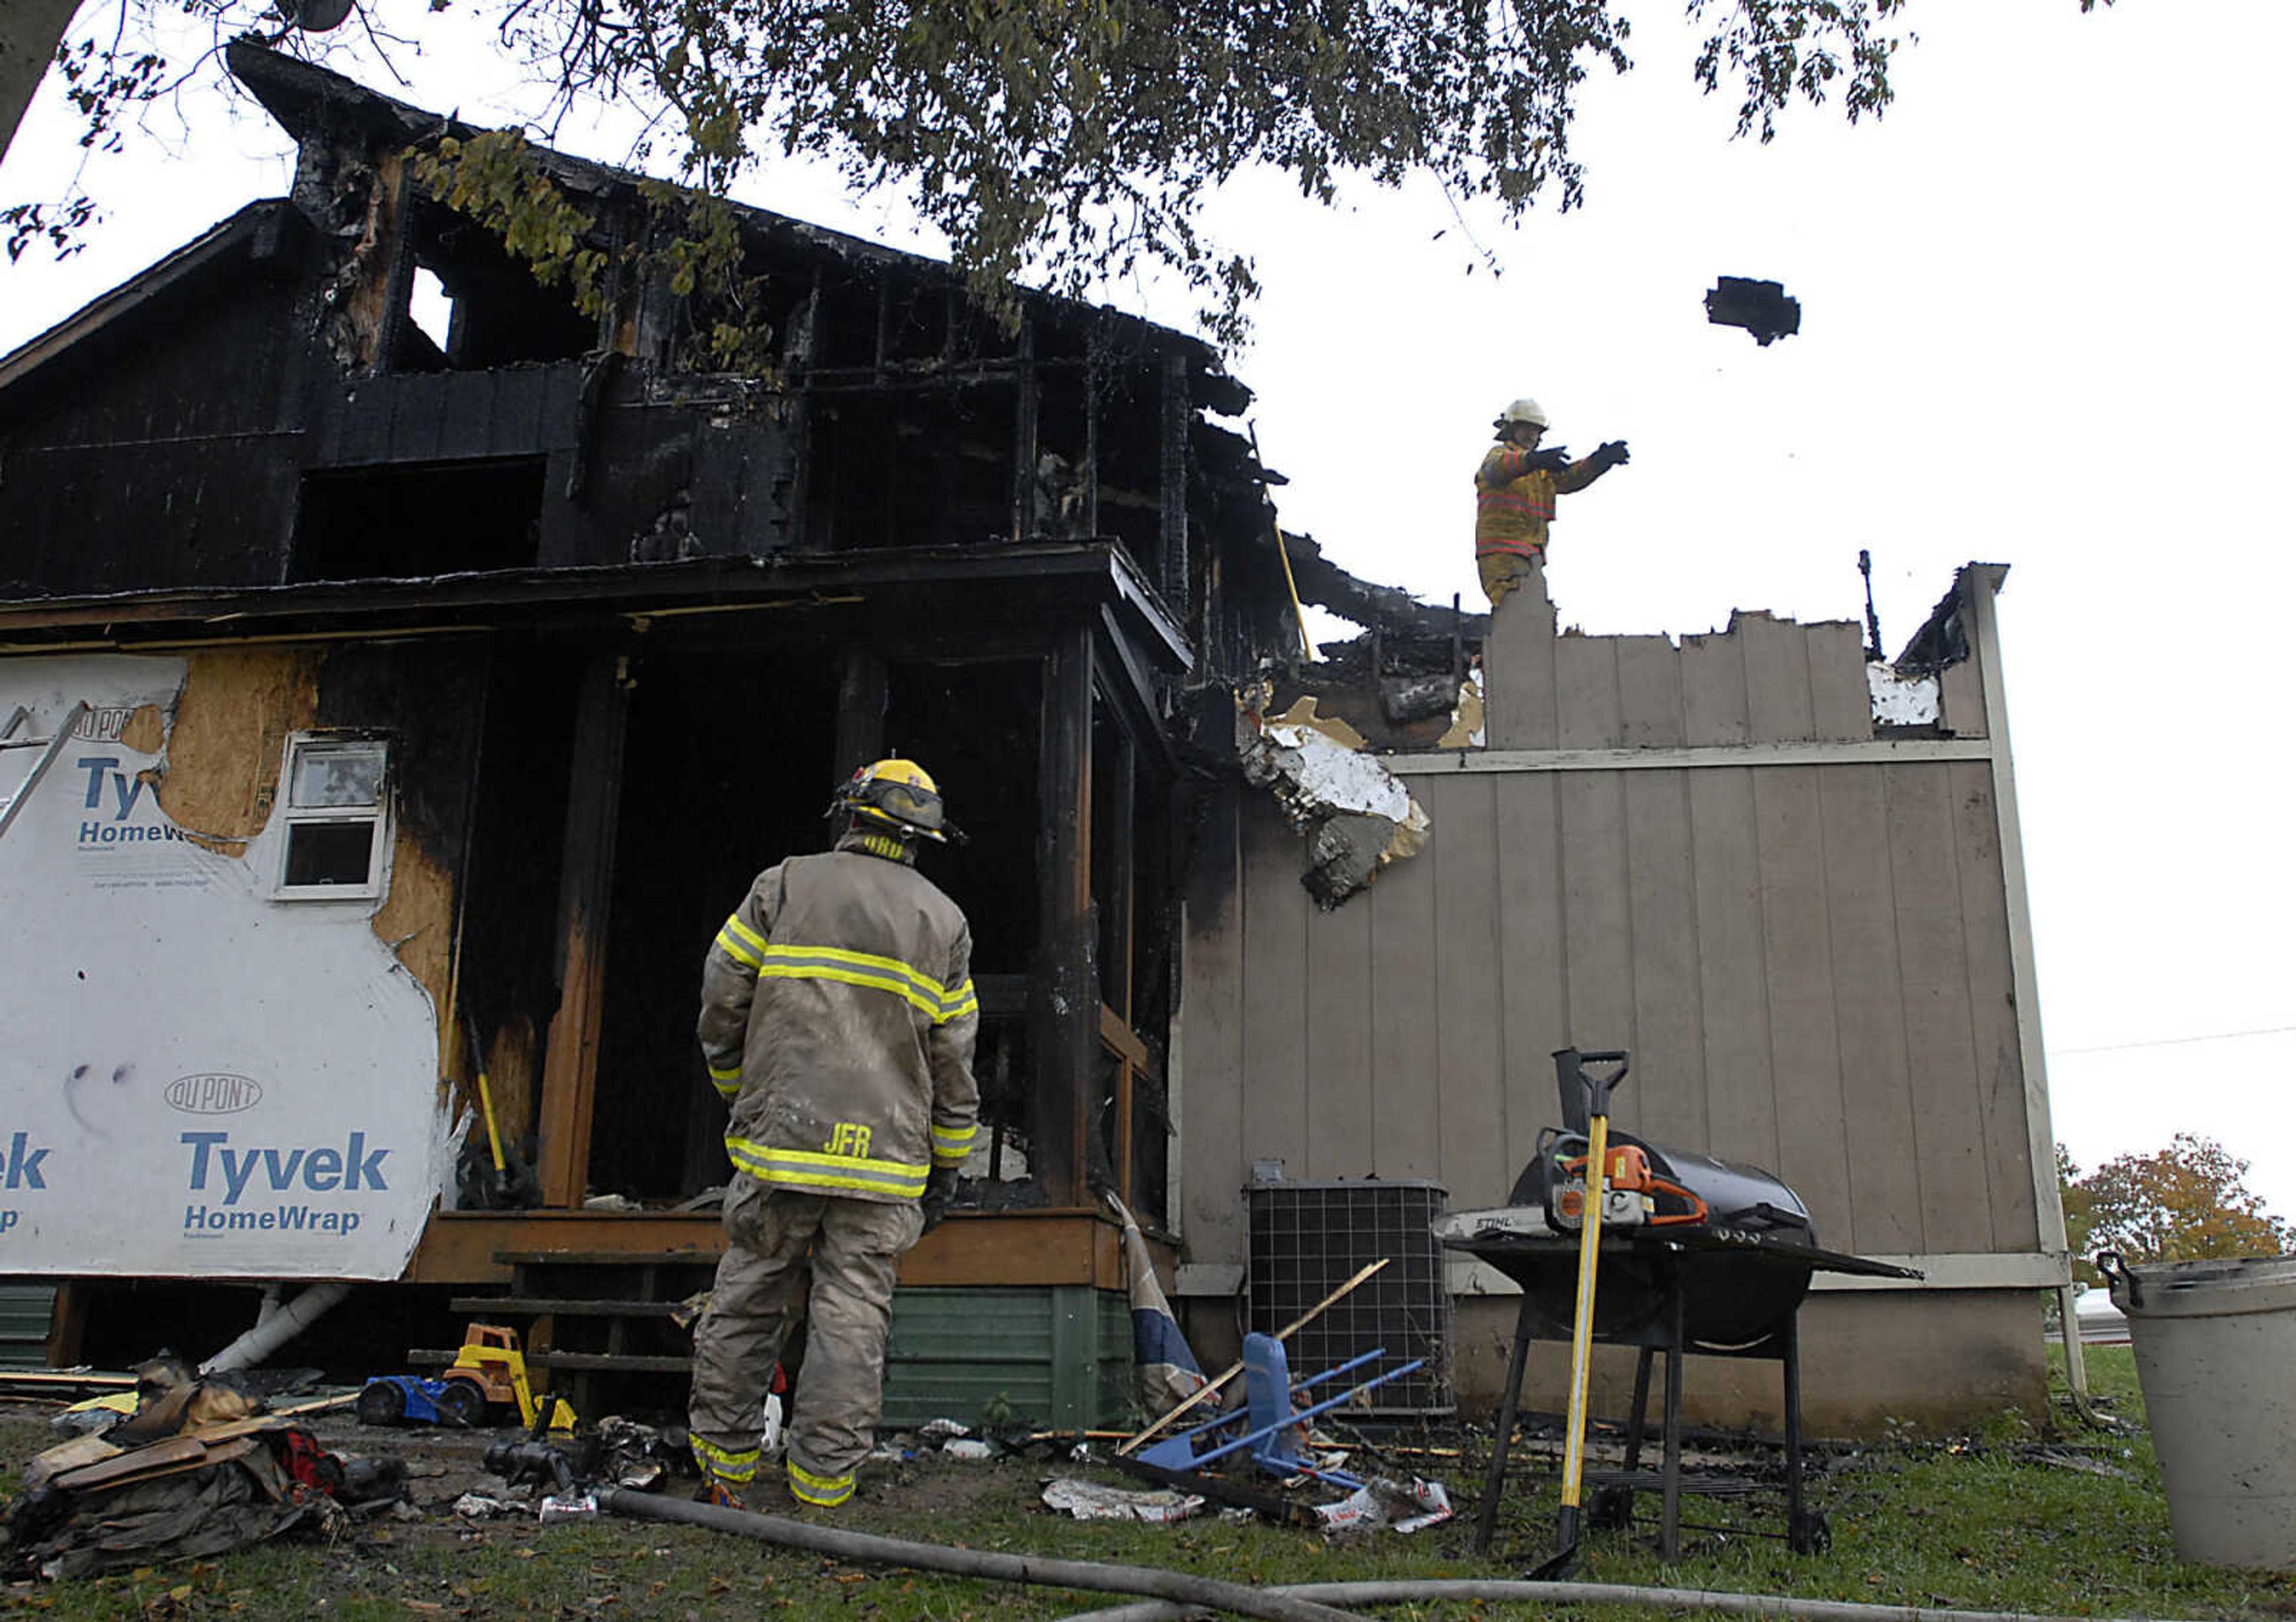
[[1798, 961], [1470, 1100], [1406, 1050], [1941, 1067], [1533, 1022], [1777, 680], [1714, 689], [1276, 908], [1669, 1067], [1842, 703], [1586, 693], [1993, 1008], [1741, 1108], [1598, 927], [1211, 1042], [1340, 1081], [1649, 693], [1519, 671], [1870, 1014]]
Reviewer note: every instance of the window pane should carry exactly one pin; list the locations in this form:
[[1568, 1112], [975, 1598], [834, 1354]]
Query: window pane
[[348, 774], [328, 853]]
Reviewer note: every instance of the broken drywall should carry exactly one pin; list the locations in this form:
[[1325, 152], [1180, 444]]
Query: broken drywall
[[1358, 816]]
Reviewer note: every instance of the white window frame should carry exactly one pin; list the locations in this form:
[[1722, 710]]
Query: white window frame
[[302, 746]]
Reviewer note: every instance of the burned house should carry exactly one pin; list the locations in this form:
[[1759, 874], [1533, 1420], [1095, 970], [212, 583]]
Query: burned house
[[387, 718]]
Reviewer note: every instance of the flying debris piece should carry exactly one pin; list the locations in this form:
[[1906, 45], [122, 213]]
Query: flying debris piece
[[1761, 307], [316, 16]]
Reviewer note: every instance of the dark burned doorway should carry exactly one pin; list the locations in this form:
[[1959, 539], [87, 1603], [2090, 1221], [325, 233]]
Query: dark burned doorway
[[725, 771]]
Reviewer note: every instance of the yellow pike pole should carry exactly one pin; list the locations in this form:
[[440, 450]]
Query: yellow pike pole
[[1582, 1323]]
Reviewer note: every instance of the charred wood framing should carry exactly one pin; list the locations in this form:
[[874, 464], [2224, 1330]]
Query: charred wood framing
[[594, 801], [1067, 994], [1172, 493], [860, 711], [1381, 608]]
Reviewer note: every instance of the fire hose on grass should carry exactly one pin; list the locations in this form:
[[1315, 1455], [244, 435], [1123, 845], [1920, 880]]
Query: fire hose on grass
[[1188, 1593], [1408, 1591]]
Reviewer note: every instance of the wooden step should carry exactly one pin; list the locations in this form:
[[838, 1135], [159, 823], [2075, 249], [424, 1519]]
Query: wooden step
[[612, 1361], [608, 1258], [542, 1306]]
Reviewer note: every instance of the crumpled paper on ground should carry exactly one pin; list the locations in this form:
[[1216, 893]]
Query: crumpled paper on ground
[[1400, 1506], [1087, 1501]]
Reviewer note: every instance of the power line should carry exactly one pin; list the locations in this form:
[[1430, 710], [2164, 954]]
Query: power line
[[2174, 1041]]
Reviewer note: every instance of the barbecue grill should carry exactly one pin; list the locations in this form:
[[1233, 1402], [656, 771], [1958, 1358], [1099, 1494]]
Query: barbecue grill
[[1698, 1255]]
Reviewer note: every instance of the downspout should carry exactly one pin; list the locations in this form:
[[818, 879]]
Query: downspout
[[275, 1326]]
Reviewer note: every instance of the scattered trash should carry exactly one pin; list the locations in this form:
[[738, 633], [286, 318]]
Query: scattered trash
[[477, 1506], [94, 1416], [578, 1506], [968, 1448], [942, 1429], [1085, 1501], [1400, 1506]]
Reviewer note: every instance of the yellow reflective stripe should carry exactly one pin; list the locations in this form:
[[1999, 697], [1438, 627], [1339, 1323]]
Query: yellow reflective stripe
[[730, 1072], [734, 941], [957, 1138], [727, 1091], [803, 1168], [827, 1491], [920, 990], [724, 1463]]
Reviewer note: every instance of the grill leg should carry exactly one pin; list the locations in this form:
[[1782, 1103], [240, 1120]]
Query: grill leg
[[1614, 1505], [1669, 1535], [1805, 1533], [1495, 1478]]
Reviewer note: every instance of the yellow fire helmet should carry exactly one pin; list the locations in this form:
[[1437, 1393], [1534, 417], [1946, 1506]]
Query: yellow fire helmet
[[897, 795]]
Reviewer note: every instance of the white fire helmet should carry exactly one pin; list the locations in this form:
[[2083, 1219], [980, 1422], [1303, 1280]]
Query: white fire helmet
[[1525, 410]]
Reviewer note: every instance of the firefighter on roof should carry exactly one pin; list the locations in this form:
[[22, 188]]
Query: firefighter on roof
[[1514, 494], [838, 1019]]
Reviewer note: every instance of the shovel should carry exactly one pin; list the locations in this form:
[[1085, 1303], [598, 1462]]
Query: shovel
[[1565, 1558]]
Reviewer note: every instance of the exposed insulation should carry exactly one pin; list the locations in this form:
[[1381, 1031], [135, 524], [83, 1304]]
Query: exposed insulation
[[224, 753], [417, 921]]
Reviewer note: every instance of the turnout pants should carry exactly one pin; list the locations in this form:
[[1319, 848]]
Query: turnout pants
[[856, 1247]]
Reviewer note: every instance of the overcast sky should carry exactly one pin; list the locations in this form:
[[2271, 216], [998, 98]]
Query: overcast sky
[[2046, 322]]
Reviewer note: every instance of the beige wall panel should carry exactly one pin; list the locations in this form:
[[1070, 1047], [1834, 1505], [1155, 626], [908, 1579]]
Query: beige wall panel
[[1993, 1008], [1885, 1192], [1586, 693], [1961, 695], [1341, 999], [1798, 961], [1733, 999], [1468, 993], [1670, 1070], [1714, 689], [1777, 678], [1597, 923], [1871, 1365], [1405, 1045], [1519, 671], [1649, 692], [1532, 1019], [1941, 1069], [1276, 908], [1842, 704], [1211, 1042]]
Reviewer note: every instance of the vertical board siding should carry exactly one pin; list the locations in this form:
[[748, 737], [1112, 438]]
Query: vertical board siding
[[1276, 908], [1469, 1099], [1885, 1192], [1797, 969], [1340, 1081], [1405, 1042], [1956, 1209], [1733, 998], [1519, 671], [1597, 924], [1714, 690], [1669, 1073], [1810, 964], [1649, 693], [1533, 1019], [1586, 693], [1212, 1037], [2000, 1078]]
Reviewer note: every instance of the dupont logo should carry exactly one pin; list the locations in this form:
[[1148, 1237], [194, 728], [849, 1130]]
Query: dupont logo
[[213, 1095]]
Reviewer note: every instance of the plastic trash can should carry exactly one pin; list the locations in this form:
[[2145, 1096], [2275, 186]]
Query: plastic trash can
[[2216, 1355]]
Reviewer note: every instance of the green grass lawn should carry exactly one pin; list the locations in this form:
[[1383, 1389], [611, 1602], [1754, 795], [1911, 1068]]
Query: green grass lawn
[[1986, 1521]]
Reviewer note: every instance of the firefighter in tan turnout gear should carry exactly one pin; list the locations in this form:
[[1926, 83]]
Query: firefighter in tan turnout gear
[[838, 1019]]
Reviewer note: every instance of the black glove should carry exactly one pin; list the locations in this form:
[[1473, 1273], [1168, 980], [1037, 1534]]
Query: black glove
[[1551, 459], [940, 1193], [1612, 453]]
